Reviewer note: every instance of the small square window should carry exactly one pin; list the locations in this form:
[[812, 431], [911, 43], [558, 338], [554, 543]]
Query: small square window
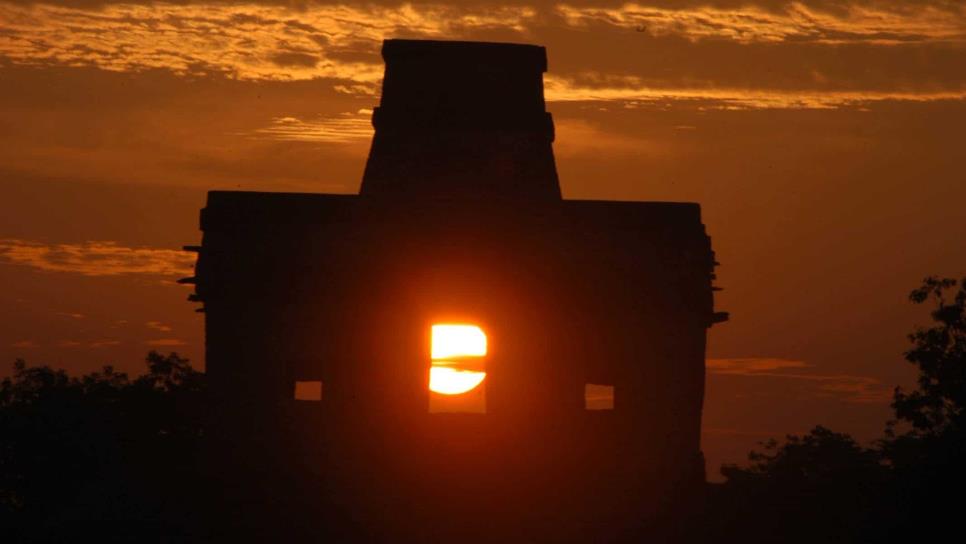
[[308, 391], [598, 397]]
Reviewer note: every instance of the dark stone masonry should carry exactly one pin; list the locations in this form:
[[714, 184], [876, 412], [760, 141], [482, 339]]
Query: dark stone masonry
[[459, 219]]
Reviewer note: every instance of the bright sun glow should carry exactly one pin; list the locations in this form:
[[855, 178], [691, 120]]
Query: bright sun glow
[[451, 381], [450, 345], [458, 341]]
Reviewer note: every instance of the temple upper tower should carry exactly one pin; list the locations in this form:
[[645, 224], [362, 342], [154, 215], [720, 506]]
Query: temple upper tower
[[462, 120]]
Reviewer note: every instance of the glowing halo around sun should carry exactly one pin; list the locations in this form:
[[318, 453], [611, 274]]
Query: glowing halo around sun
[[454, 346]]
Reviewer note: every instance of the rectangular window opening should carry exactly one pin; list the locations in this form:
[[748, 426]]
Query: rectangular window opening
[[598, 397], [457, 373], [308, 391]]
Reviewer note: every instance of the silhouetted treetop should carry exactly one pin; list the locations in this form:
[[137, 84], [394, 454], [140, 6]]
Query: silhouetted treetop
[[939, 352], [80, 446], [820, 455], [169, 372]]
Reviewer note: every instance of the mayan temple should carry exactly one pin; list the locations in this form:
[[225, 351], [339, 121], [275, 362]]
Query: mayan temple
[[589, 320]]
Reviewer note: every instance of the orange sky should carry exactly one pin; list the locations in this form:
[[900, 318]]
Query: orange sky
[[823, 140]]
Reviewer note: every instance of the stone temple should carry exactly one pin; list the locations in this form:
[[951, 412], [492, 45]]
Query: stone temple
[[459, 219]]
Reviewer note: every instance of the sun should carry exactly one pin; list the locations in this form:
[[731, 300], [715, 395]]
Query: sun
[[457, 352], [451, 381]]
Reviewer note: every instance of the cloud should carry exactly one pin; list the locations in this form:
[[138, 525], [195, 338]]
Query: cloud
[[851, 388], [248, 41], [579, 138], [728, 431], [96, 258], [751, 365], [103, 343], [856, 388], [344, 128], [295, 59], [24, 344], [158, 326], [341, 43], [166, 342], [873, 23], [634, 91]]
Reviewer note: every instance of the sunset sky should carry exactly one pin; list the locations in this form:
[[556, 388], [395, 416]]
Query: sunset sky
[[823, 139]]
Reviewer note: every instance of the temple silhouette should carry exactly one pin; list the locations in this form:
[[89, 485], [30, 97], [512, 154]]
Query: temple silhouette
[[459, 219]]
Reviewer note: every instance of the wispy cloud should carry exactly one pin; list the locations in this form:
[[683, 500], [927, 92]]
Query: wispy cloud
[[247, 41], [166, 342], [577, 137], [341, 43], [345, 128], [875, 23], [96, 258], [730, 431], [632, 91], [158, 326], [103, 343], [751, 365], [851, 388]]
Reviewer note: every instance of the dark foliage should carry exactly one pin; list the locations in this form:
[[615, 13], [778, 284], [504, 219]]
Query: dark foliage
[[819, 487], [939, 352], [86, 455]]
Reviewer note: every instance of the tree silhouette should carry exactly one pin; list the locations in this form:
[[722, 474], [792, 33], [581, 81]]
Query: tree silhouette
[[815, 459], [818, 487], [939, 352], [927, 458], [77, 451]]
